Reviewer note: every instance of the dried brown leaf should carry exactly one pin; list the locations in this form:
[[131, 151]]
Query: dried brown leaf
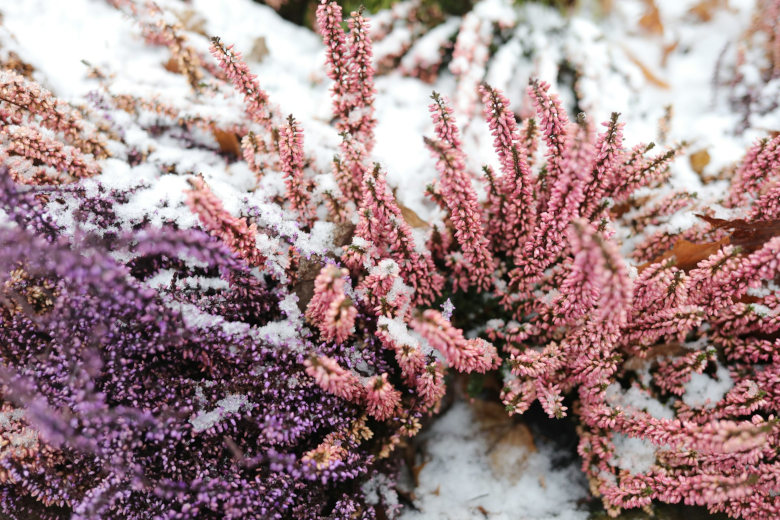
[[259, 49], [191, 20], [416, 470], [688, 254], [699, 160], [749, 235], [651, 20], [646, 72], [705, 9], [667, 51], [172, 65], [228, 142], [411, 217]]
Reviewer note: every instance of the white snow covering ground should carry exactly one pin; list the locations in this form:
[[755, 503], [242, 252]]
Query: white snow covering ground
[[459, 478], [476, 468]]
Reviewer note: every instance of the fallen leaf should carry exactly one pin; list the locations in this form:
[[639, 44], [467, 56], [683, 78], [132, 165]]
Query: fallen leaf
[[510, 453], [668, 49], [228, 142], [688, 254], [651, 20], [510, 441], [749, 235], [259, 49], [699, 160], [192, 21], [646, 72], [416, 469], [705, 9], [411, 217], [172, 65]]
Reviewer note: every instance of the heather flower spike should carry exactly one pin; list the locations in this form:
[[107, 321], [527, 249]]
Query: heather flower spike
[[473, 355], [334, 379], [235, 232], [291, 155], [330, 309], [24, 101], [349, 65], [513, 197], [460, 196], [258, 106], [381, 223]]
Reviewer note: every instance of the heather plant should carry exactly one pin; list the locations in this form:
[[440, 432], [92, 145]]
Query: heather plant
[[181, 361], [748, 71], [506, 43], [209, 352]]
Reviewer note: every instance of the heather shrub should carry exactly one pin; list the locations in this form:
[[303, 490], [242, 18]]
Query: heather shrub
[[175, 346], [748, 72], [164, 357]]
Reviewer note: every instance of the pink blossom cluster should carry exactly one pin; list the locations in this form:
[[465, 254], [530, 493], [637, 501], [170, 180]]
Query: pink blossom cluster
[[349, 65], [461, 199], [258, 106], [330, 309], [235, 232], [45, 140]]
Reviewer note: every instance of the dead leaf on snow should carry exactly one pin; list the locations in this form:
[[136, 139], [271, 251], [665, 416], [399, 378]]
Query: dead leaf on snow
[[646, 72], [667, 51], [651, 20], [259, 49], [705, 9], [510, 442], [699, 160], [227, 141]]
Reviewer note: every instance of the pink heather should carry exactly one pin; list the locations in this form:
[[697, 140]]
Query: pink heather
[[382, 399], [460, 195], [473, 355], [291, 158], [258, 107], [513, 199], [329, 309], [381, 223], [235, 232], [23, 100], [334, 379]]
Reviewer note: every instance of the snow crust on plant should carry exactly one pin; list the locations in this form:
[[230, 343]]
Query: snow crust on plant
[[705, 391]]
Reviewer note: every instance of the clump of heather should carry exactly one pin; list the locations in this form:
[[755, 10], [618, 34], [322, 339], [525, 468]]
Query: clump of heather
[[191, 355], [173, 346], [667, 360], [506, 43], [748, 72]]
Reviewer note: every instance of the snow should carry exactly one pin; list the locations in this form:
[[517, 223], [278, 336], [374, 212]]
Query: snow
[[636, 399], [704, 391], [460, 479], [635, 455], [232, 403]]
